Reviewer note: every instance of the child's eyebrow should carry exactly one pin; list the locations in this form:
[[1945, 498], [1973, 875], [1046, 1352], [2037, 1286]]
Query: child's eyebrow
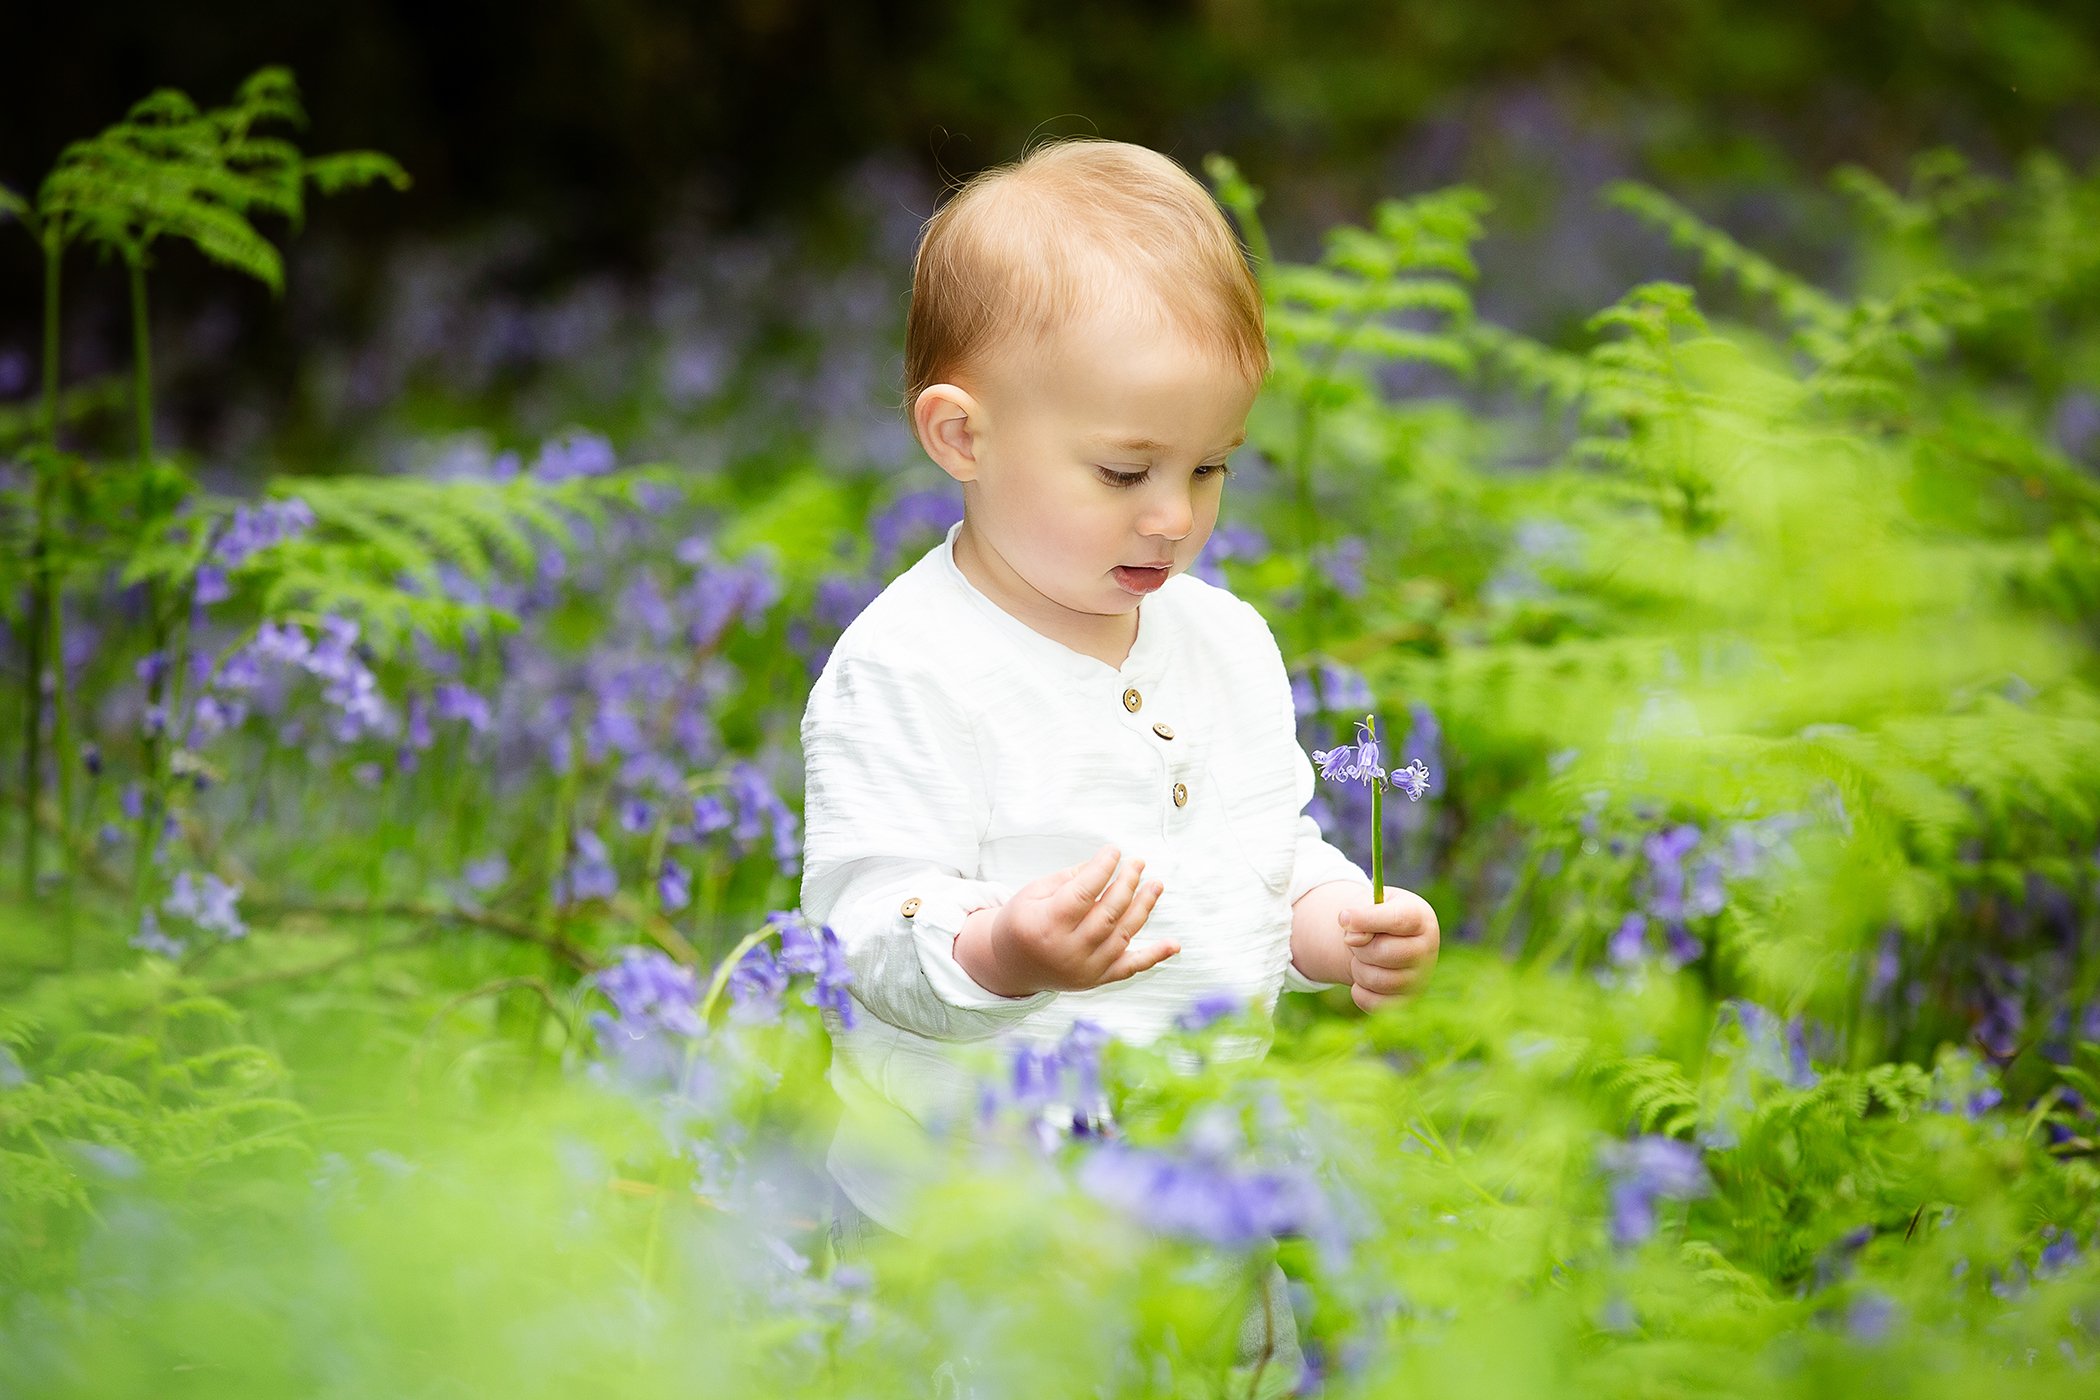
[[1145, 444]]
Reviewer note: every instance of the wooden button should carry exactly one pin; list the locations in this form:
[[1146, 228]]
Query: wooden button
[[1181, 794], [1164, 731], [909, 907], [1131, 700]]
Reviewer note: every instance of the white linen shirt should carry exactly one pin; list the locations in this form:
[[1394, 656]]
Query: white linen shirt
[[953, 754]]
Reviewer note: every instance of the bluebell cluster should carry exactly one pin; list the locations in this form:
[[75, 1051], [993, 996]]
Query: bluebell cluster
[[1643, 1171]]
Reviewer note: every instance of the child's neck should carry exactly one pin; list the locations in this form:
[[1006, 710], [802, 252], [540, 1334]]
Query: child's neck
[[1107, 637]]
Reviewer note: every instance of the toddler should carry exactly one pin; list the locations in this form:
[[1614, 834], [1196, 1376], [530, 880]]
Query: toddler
[[1052, 776]]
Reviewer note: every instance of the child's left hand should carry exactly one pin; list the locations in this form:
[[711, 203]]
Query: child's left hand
[[1392, 947]]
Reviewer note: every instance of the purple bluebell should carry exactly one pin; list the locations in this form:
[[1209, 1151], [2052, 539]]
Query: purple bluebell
[[1666, 851], [674, 886], [572, 455], [252, 531], [152, 940], [1412, 780], [206, 901], [485, 874], [650, 989], [456, 702], [756, 986], [1777, 1047], [590, 874], [1643, 1171], [1871, 1317], [91, 758], [1209, 1009], [819, 954], [210, 586], [1201, 1199], [1329, 688], [635, 815], [842, 597], [1342, 565], [2059, 1251], [917, 515], [1630, 941], [1352, 763], [721, 593], [1680, 946]]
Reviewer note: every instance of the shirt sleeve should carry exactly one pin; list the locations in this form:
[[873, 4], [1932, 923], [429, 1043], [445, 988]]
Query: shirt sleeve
[[1318, 862], [894, 810]]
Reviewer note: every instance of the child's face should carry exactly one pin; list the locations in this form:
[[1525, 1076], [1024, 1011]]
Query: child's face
[[1042, 440]]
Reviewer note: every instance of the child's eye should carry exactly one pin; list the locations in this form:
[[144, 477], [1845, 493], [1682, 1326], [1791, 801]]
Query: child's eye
[[1209, 471]]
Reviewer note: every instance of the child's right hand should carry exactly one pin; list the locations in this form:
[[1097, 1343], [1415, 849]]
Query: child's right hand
[[1065, 932]]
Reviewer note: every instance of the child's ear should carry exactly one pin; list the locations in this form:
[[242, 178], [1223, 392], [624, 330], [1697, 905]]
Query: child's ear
[[945, 419]]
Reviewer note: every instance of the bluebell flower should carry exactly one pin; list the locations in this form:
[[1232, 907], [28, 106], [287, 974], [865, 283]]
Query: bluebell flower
[[206, 901], [1208, 1009], [1200, 1199], [650, 989], [486, 873], [674, 886], [1777, 1047], [252, 531], [1327, 688], [1646, 1170], [572, 455], [1630, 940], [755, 987], [1871, 1317], [152, 940], [819, 954], [2058, 1254], [590, 874], [456, 702]]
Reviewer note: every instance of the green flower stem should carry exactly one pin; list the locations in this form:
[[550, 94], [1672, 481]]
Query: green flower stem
[[1377, 842], [727, 966], [692, 1051]]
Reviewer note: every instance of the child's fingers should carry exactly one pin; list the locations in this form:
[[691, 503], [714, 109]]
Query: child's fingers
[[1137, 957], [1085, 882], [1392, 950]]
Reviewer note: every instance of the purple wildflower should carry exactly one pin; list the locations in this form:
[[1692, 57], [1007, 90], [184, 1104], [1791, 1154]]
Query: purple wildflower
[[674, 886], [572, 455], [267, 525], [1200, 1198], [206, 901], [1645, 1170], [1630, 941], [590, 874], [1871, 1317], [649, 989], [152, 940], [756, 986], [1209, 1009], [818, 953], [455, 701], [2058, 1254]]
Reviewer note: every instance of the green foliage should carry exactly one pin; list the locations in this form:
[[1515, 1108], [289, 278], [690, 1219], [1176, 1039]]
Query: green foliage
[[171, 169]]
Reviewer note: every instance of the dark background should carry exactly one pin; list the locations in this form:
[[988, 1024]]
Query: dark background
[[595, 122]]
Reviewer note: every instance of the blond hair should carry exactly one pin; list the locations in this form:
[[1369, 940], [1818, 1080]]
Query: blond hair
[[1078, 223]]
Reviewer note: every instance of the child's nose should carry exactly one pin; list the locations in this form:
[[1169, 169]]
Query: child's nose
[[1173, 519]]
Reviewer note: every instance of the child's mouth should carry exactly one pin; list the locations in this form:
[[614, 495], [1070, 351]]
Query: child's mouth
[[1139, 580]]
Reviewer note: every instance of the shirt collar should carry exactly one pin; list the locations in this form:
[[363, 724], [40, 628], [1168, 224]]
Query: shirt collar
[[1147, 654]]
